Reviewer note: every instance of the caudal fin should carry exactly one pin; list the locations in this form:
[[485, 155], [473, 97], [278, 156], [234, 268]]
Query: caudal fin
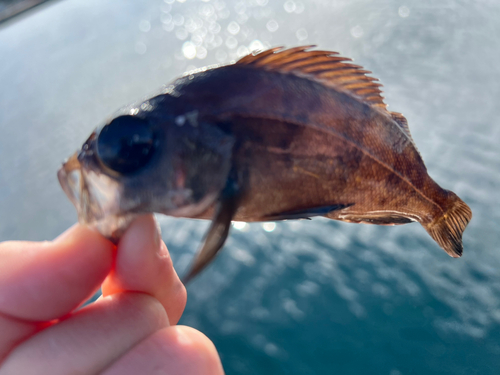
[[447, 229]]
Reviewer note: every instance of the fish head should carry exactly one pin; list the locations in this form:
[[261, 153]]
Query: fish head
[[152, 157]]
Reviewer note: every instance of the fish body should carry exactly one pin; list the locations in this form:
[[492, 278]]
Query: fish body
[[284, 134]]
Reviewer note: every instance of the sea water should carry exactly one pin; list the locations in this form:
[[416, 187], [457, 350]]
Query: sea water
[[296, 297]]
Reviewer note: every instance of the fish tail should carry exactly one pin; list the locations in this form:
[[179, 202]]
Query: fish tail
[[447, 228]]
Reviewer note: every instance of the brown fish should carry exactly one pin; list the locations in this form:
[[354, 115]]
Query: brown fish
[[282, 134]]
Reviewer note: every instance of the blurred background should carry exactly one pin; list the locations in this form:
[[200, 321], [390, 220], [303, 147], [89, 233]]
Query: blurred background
[[303, 297]]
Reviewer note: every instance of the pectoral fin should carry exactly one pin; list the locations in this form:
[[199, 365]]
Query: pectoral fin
[[306, 213], [218, 231]]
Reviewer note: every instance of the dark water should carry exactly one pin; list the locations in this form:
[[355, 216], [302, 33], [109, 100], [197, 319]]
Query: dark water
[[316, 297]]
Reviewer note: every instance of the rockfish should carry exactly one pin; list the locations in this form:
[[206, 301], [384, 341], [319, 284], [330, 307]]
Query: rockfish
[[281, 134]]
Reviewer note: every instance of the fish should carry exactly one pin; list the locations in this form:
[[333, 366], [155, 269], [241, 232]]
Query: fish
[[281, 134]]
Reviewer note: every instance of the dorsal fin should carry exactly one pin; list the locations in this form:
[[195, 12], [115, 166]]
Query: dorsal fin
[[403, 124], [323, 66]]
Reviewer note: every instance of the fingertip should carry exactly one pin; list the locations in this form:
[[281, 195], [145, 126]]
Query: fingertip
[[198, 348], [135, 251], [143, 264], [176, 349], [77, 232], [144, 231], [176, 298], [68, 233], [81, 238]]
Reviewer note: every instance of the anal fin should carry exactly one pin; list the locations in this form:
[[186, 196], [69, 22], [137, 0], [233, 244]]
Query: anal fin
[[305, 213], [219, 229]]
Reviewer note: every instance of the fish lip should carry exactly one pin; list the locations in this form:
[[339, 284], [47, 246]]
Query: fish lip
[[90, 209], [88, 191], [70, 166]]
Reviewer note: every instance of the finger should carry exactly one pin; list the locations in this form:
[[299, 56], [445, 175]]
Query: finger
[[170, 351], [41, 281], [143, 264], [90, 339]]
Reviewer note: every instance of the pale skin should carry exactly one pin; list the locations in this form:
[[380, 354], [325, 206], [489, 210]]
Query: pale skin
[[131, 329]]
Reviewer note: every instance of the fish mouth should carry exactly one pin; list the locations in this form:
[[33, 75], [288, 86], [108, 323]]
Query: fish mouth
[[104, 203], [69, 177], [95, 197]]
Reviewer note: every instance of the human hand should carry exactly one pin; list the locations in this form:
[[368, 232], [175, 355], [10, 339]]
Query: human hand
[[129, 330]]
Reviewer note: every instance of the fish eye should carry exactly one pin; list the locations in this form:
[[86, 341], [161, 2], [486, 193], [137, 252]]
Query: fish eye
[[126, 144]]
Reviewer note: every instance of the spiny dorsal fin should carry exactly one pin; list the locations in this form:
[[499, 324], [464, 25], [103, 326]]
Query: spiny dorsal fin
[[403, 124], [323, 66]]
